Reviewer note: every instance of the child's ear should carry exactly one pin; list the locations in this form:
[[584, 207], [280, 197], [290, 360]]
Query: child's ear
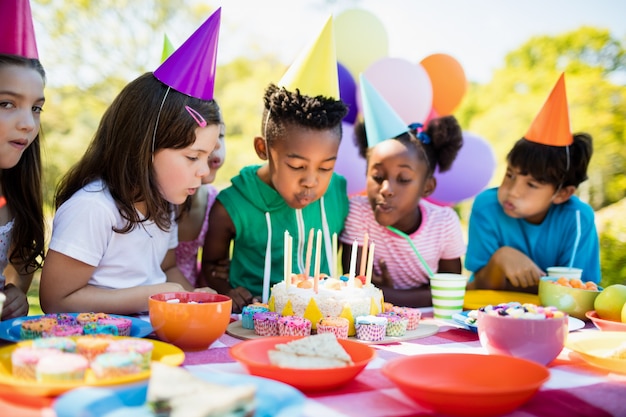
[[429, 187], [260, 147], [564, 194]]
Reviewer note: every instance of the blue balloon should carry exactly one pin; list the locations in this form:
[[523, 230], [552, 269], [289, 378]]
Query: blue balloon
[[347, 93]]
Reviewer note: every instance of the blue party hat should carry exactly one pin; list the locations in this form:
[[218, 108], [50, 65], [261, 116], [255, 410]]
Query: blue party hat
[[381, 120]]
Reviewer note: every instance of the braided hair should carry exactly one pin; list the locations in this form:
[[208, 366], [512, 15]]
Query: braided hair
[[285, 108]]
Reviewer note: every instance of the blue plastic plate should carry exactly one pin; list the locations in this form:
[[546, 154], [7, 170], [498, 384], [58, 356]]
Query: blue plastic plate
[[274, 399]]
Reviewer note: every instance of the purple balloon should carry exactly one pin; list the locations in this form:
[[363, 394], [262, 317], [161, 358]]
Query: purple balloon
[[347, 92], [349, 163], [470, 173]]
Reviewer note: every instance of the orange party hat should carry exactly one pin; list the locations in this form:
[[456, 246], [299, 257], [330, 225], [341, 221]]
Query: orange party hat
[[551, 126]]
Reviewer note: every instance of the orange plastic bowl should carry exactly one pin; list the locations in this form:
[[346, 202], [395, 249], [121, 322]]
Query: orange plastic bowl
[[193, 323], [252, 354], [465, 384], [606, 325]]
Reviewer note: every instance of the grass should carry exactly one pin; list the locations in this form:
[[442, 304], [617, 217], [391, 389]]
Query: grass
[[33, 296]]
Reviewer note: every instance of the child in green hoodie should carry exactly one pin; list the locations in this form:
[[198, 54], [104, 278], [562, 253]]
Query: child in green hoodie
[[295, 190]]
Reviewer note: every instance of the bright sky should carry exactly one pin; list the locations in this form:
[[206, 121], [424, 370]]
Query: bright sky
[[477, 33]]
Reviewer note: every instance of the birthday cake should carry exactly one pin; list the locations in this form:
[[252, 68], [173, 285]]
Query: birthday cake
[[334, 298]]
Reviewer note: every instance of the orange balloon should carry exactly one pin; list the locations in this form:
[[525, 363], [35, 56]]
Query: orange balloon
[[448, 80]]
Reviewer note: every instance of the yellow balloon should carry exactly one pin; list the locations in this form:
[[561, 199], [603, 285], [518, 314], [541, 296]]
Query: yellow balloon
[[361, 40]]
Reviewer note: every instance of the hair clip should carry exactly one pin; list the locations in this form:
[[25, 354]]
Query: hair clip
[[196, 116], [419, 132]]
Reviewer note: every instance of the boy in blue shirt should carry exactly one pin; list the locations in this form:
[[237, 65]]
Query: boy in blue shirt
[[533, 220]]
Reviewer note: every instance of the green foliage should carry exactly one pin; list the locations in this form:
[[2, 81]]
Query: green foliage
[[612, 229], [595, 63]]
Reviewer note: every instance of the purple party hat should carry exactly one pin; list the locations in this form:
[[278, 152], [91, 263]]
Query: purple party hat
[[17, 33], [381, 120], [191, 68]]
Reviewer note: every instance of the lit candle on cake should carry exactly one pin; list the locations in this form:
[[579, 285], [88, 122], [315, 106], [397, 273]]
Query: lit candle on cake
[[355, 247], [318, 258], [364, 254], [333, 266], [370, 265], [309, 250], [287, 260]]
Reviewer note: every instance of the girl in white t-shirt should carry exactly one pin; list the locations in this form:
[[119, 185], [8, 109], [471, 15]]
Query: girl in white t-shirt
[[399, 174], [114, 232]]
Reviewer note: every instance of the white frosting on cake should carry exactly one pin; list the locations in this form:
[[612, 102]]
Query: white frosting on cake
[[329, 301]]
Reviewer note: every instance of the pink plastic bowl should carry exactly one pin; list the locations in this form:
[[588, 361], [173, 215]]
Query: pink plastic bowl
[[537, 340]]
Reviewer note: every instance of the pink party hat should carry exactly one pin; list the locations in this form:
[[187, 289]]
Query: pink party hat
[[314, 72], [17, 34], [168, 48], [381, 120], [191, 68], [551, 126]]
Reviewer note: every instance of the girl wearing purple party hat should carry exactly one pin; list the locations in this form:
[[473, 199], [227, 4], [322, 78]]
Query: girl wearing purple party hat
[[413, 238], [114, 231], [22, 80]]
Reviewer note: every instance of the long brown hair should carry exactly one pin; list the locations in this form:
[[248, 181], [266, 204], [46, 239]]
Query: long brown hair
[[120, 154], [22, 188]]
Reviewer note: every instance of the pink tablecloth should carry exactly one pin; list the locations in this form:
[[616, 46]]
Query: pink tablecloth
[[575, 389]]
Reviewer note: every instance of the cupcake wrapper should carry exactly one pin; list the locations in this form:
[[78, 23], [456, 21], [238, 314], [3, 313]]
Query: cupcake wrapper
[[371, 332], [340, 332], [397, 328], [266, 328], [287, 330]]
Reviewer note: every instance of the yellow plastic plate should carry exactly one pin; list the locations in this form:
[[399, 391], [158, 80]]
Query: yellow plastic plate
[[475, 299], [163, 352], [594, 346]]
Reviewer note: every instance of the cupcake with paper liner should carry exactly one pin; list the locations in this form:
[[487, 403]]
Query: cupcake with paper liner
[[34, 328], [63, 330], [248, 312], [90, 317], [123, 324], [24, 360], [266, 323], [95, 328], [140, 346], [64, 367], [117, 364], [396, 324], [63, 344], [294, 326], [339, 326], [92, 345], [413, 315], [371, 328], [63, 319]]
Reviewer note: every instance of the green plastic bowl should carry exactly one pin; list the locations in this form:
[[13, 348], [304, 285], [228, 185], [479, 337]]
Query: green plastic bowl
[[573, 301]]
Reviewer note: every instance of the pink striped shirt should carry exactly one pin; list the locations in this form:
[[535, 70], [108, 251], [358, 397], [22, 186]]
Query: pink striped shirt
[[439, 237]]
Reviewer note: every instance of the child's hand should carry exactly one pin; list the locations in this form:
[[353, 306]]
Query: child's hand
[[219, 269], [384, 279], [16, 304], [241, 297], [518, 268]]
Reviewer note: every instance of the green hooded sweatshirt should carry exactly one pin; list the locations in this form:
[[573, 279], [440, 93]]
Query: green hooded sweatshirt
[[261, 216]]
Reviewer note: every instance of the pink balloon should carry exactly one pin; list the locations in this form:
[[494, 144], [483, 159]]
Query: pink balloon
[[404, 85], [470, 173], [349, 163]]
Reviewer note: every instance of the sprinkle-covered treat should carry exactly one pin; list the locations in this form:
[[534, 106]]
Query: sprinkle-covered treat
[[294, 326], [337, 325], [123, 324], [91, 317], [266, 323], [24, 360], [34, 328], [371, 328], [64, 344], [248, 312], [140, 346], [62, 367], [64, 330], [117, 364], [396, 324], [95, 328], [413, 315], [523, 311], [63, 318], [92, 346]]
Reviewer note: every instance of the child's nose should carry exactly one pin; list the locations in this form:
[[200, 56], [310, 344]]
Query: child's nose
[[26, 121], [386, 188], [309, 180], [204, 170]]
